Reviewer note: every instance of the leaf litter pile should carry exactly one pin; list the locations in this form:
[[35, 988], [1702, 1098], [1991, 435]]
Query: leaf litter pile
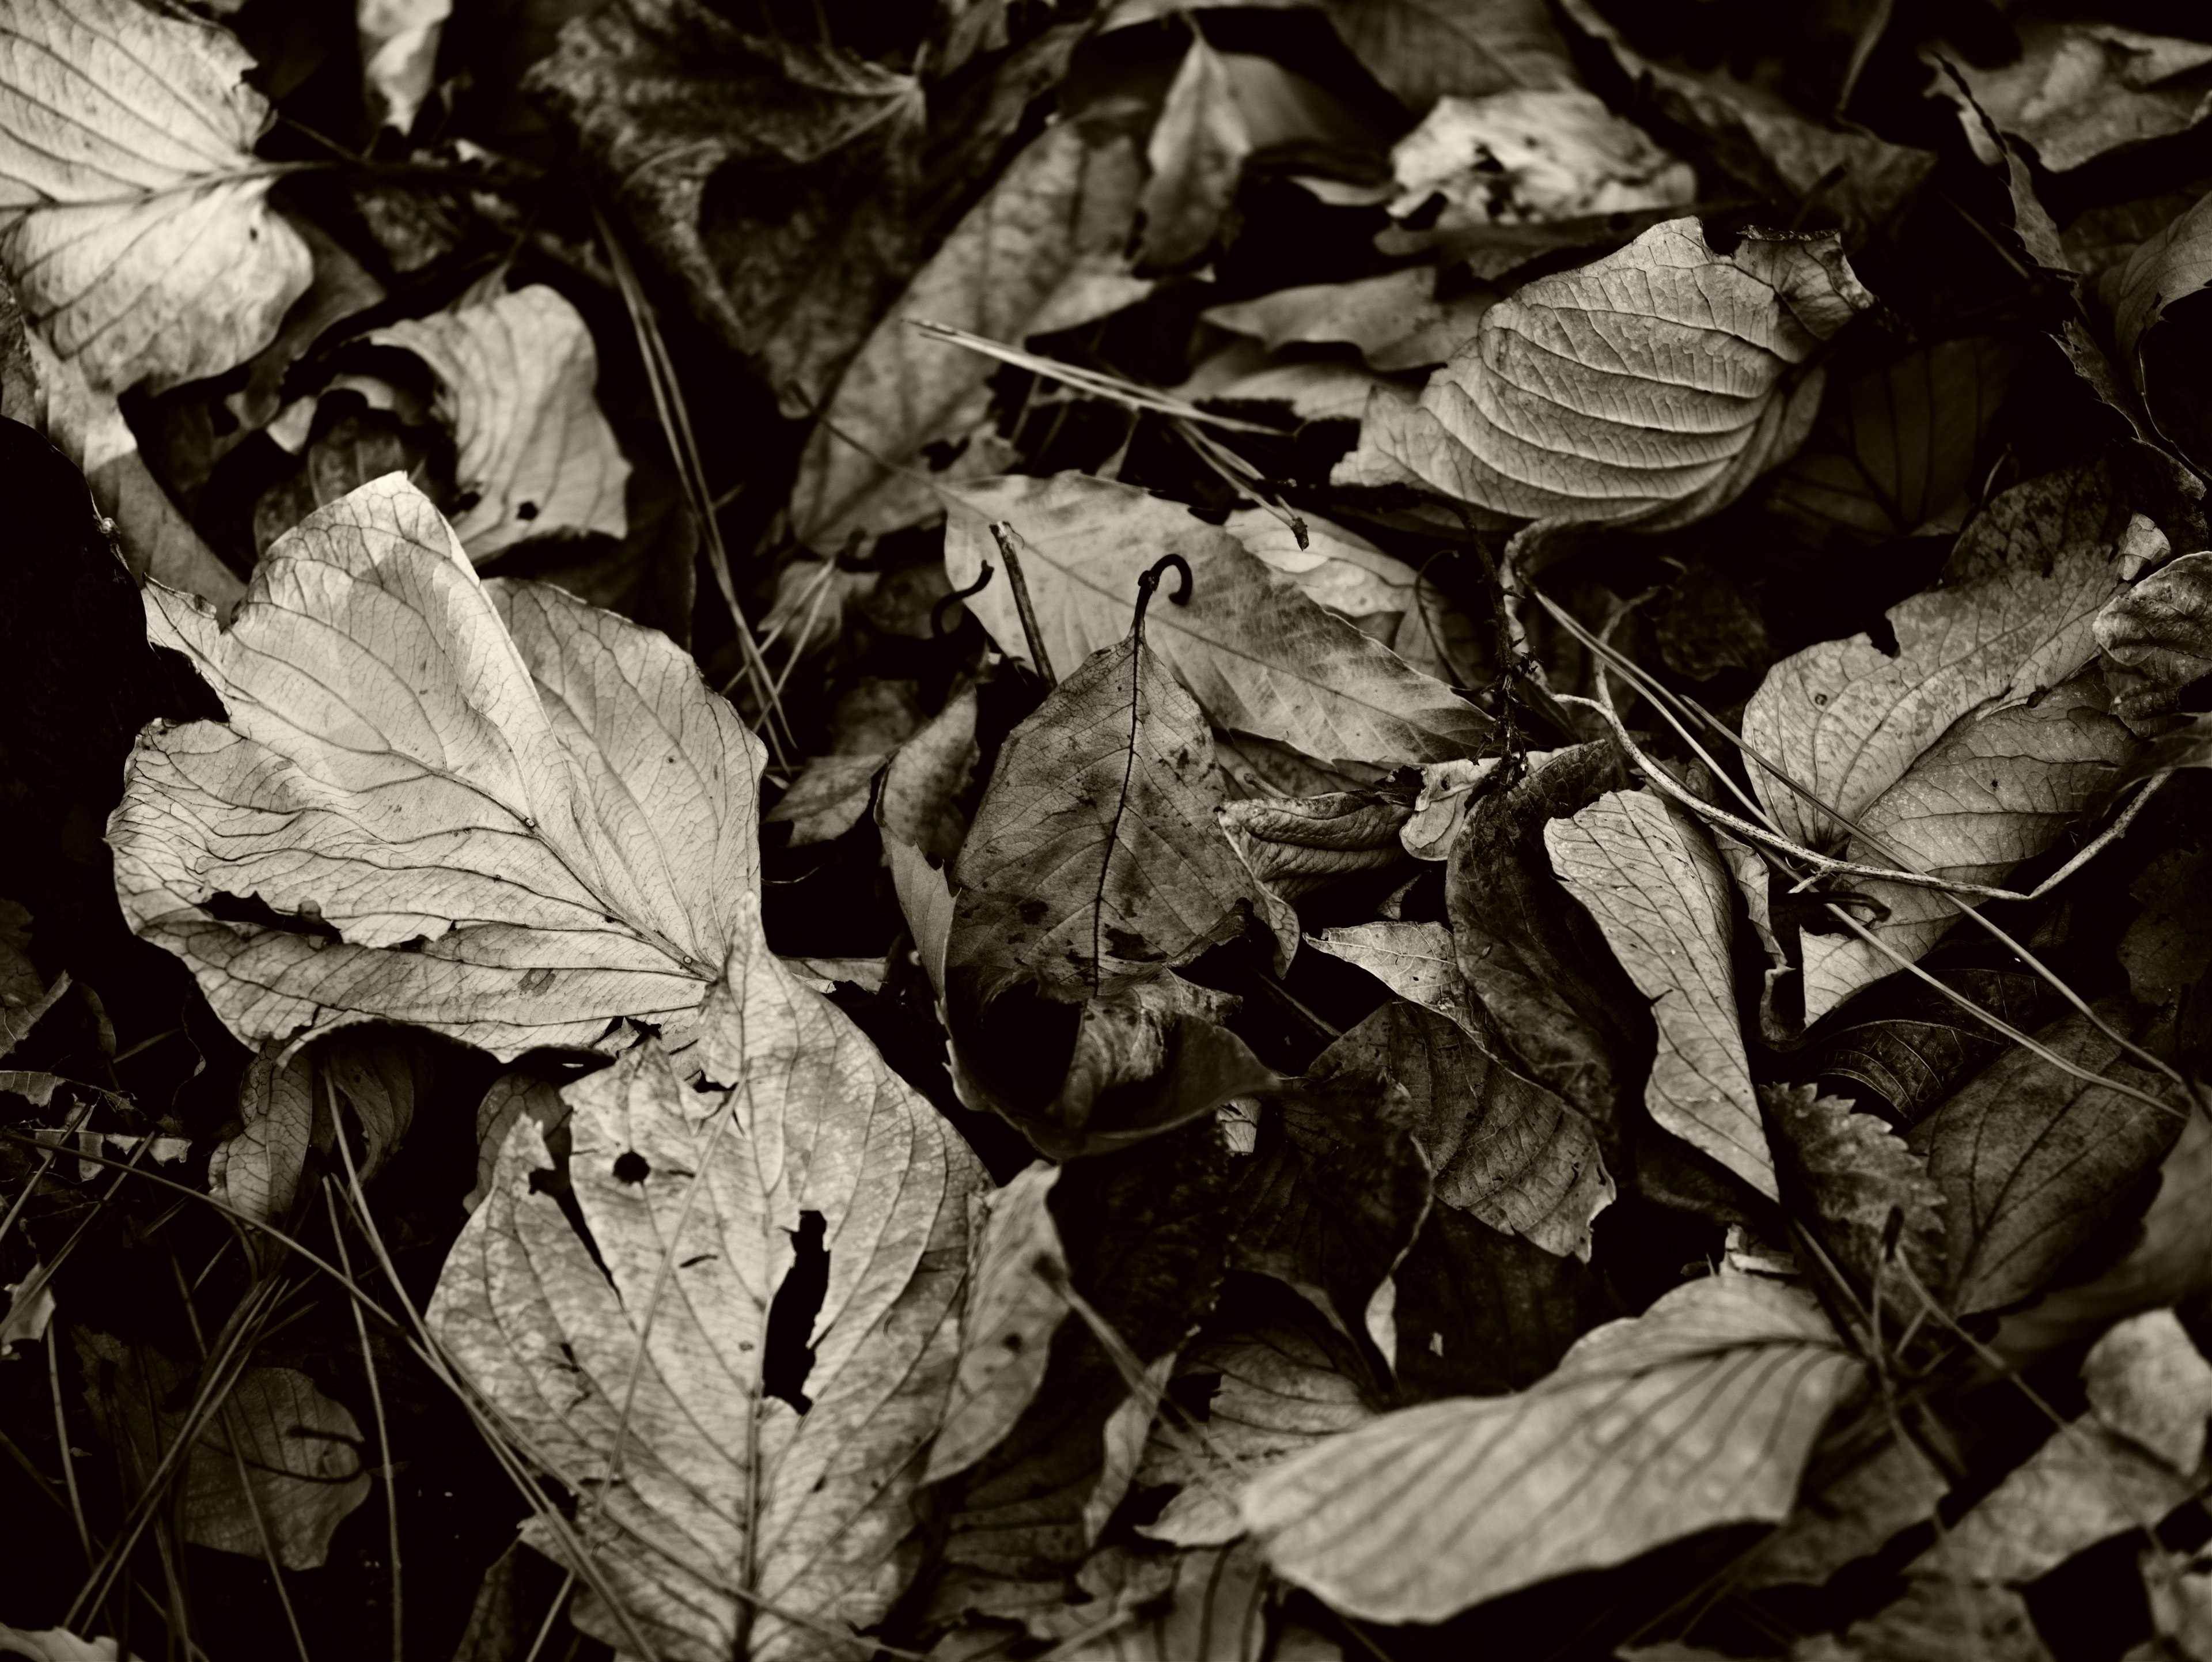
[[1125, 832]]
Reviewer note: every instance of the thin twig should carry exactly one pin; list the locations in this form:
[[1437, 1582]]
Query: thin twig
[[1099, 385], [1006, 536]]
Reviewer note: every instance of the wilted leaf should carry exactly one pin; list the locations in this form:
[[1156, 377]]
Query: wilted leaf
[[1031, 257], [2012, 618], [275, 1454], [1258, 653], [1016, 1299], [1533, 154], [1912, 1045], [1197, 155], [1700, 1411], [2081, 90], [1298, 845], [1647, 389], [134, 215], [486, 809], [1423, 49], [1661, 896], [2147, 1381], [2000, 787], [516, 378], [1855, 1174], [747, 1465], [2156, 637], [2032, 1161]]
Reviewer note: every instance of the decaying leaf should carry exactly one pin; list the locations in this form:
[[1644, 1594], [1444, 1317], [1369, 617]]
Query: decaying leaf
[[1851, 1513], [1857, 1175], [1911, 1044], [1698, 1412], [2159, 324], [288, 1104], [30, 1310], [1660, 895], [1647, 389], [1396, 320], [2147, 1381], [134, 217], [2081, 90], [486, 809], [1533, 154], [2156, 637], [746, 1481], [1256, 651], [1422, 50], [516, 377]]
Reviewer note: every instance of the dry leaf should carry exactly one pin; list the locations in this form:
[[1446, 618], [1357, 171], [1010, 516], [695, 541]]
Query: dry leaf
[[1533, 154], [1422, 50], [2147, 1381], [399, 55], [488, 810], [2160, 337], [2081, 90], [1396, 321], [1856, 1175], [1197, 155], [134, 215], [2156, 637]]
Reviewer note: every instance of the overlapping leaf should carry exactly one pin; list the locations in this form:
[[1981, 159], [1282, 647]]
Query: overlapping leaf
[[488, 810]]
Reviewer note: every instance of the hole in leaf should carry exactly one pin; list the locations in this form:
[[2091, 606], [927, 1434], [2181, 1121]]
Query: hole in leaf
[[1881, 634], [526, 511], [791, 1317], [252, 909], [630, 1167]]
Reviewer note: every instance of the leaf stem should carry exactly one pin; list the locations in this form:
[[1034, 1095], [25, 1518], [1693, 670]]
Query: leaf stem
[[1006, 536]]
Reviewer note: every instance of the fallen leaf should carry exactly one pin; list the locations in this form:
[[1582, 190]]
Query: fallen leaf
[[399, 55], [1383, 597], [342, 288], [1661, 896], [275, 1464], [287, 1104], [445, 793], [1855, 1175], [827, 799], [516, 374], [1220, 1607], [2032, 1161], [55, 1645], [1647, 389], [1912, 1045], [1698, 1412], [1015, 1302], [1850, 1514], [134, 215], [2013, 618], [1938, 1617], [2156, 637], [1415, 961], [2179, 1588], [1396, 321], [2168, 947], [30, 1310], [1196, 155], [2000, 787], [2159, 327], [925, 782], [2147, 1381], [2078, 91], [1258, 653], [1296, 846], [1531, 154], [1422, 50], [1027, 260], [513, 1095], [747, 1464]]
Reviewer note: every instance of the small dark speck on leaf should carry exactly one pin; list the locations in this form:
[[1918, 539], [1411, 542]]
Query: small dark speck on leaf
[[703, 1258], [537, 980]]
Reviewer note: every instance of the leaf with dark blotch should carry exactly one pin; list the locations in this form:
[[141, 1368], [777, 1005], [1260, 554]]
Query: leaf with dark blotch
[[2156, 637], [1912, 1045], [1854, 1173], [1531, 952], [2033, 1161], [1700, 1411]]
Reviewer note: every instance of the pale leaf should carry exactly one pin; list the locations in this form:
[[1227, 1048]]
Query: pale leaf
[[1417, 961], [1660, 895], [2156, 637], [2147, 1381], [1197, 155], [1395, 320], [1649, 388], [2076, 91], [399, 55], [637, 1362], [523, 819], [1260, 656], [1014, 1304], [1384, 596], [1532, 153], [1700, 1411], [1854, 1512], [516, 378], [134, 217]]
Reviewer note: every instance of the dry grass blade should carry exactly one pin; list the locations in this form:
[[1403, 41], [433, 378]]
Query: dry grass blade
[[376, 1409], [1098, 384]]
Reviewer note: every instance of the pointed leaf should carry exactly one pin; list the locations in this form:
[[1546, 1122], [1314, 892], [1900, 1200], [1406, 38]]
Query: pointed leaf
[[2147, 1381], [1660, 895], [488, 810], [1700, 1411], [1197, 155], [1856, 1173], [516, 378], [640, 1361], [2157, 636], [1257, 652], [134, 215]]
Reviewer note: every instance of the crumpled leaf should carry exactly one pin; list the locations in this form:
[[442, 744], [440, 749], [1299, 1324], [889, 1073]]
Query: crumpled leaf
[[2000, 787], [273, 1434], [1386, 598], [1661, 896], [2032, 1161], [516, 374], [2156, 637], [523, 820], [1531, 154], [1700, 1411], [1259, 654], [1296, 846], [2159, 326], [1016, 1299], [1196, 154], [1854, 1174], [746, 1480], [1912, 1045], [2012, 618], [1042, 251], [134, 215], [1647, 389], [510, 1097], [2082, 91], [285, 1103], [1422, 50], [2147, 1381]]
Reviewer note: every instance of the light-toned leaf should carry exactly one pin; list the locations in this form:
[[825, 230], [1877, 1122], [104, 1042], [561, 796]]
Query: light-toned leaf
[[1423, 49], [2013, 618], [1384, 596], [1649, 388], [1660, 895], [2080, 90], [1015, 1302], [1395, 320], [1298, 845], [55, 1645], [1026, 260], [1220, 1607], [2156, 637], [2032, 1161], [1855, 1174], [1196, 155], [1259, 654], [1893, 1486], [1700, 1411], [30, 1310], [1417, 961], [510, 1097], [2147, 1381], [517, 377], [639, 1361], [2000, 788], [1531, 154], [399, 55], [525, 820], [134, 217]]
